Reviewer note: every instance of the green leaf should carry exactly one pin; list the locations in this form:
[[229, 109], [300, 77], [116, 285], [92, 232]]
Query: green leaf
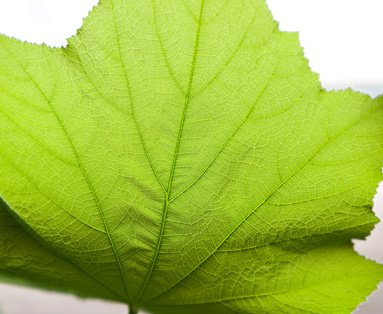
[[35, 264], [182, 155]]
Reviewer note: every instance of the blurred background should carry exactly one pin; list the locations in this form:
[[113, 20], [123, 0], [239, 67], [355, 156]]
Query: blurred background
[[342, 40]]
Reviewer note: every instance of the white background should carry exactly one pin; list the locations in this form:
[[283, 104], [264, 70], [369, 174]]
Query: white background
[[342, 39]]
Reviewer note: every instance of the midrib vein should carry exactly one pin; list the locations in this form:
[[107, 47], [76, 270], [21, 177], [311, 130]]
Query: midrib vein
[[175, 155]]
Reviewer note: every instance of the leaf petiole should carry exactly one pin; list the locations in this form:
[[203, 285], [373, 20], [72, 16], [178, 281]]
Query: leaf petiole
[[132, 310]]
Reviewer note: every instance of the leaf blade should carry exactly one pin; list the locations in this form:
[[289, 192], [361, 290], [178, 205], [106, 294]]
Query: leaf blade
[[162, 150]]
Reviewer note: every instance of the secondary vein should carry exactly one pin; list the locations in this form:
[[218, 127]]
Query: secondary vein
[[83, 172], [262, 203]]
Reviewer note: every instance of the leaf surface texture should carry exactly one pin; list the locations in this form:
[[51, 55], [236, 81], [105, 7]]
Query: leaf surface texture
[[180, 156]]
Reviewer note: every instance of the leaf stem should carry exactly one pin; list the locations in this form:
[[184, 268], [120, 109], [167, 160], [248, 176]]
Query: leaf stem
[[132, 310]]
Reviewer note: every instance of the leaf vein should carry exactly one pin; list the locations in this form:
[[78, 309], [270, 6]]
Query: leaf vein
[[278, 187], [175, 156], [82, 169]]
